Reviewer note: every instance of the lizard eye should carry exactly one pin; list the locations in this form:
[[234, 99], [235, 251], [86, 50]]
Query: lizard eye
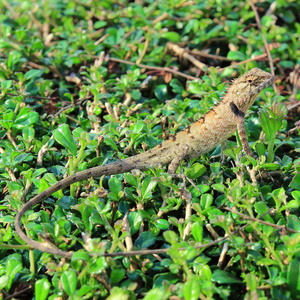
[[250, 80]]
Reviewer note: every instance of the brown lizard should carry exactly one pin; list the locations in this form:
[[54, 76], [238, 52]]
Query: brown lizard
[[198, 138]]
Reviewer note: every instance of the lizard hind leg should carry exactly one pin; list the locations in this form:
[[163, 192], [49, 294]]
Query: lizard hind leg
[[174, 164]]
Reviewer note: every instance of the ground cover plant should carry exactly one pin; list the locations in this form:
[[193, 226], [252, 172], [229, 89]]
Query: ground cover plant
[[83, 83]]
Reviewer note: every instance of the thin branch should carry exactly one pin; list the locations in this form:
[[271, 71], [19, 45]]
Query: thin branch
[[164, 69], [265, 43], [259, 57], [260, 221]]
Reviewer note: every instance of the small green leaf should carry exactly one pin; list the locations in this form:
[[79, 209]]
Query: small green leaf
[[12, 268], [28, 133], [34, 73], [26, 117], [170, 236], [191, 289], [155, 293], [197, 231], [69, 282], [271, 166], [6, 84], [135, 219], [293, 278], [295, 184], [161, 92], [162, 224], [99, 24], [206, 201], [99, 265], [171, 36], [42, 288], [251, 281], [115, 184], [195, 88], [195, 171], [145, 240], [117, 275], [223, 277], [3, 281], [135, 94], [236, 55], [81, 256], [296, 195], [138, 127], [147, 186], [64, 137], [177, 86], [7, 119]]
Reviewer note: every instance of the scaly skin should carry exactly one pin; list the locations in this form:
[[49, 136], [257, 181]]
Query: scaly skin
[[198, 138]]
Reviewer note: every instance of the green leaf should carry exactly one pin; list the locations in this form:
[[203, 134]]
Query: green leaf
[[269, 125], [170, 236], [231, 26], [177, 86], [295, 184], [99, 265], [296, 195], [197, 231], [271, 166], [162, 224], [195, 88], [69, 282], [7, 119], [111, 143], [155, 293], [223, 277], [42, 288], [215, 167], [26, 117], [251, 281], [236, 55], [79, 255], [139, 127], [28, 133], [135, 94], [117, 275], [293, 278], [195, 171], [161, 92], [135, 219], [99, 24], [147, 186], [191, 289], [160, 279], [206, 201], [145, 240], [34, 73], [6, 85], [12, 268], [4, 280], [171, 36], [64, 137], [115, 184]]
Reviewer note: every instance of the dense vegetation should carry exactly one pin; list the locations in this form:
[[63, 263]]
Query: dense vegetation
[[87, 82]]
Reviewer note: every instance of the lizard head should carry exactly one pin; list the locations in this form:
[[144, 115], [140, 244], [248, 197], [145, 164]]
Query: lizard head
[[245, 89]]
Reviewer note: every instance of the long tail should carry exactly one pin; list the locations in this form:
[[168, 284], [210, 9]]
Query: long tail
[[109, 169]]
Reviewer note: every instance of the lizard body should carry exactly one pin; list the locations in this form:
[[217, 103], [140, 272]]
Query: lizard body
[[200, 137]]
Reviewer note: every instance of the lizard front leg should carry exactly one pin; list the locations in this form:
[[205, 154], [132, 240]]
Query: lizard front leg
[[240, 117], [243, 136]]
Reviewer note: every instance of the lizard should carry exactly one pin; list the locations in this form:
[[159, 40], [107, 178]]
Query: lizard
[[198, 138]]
